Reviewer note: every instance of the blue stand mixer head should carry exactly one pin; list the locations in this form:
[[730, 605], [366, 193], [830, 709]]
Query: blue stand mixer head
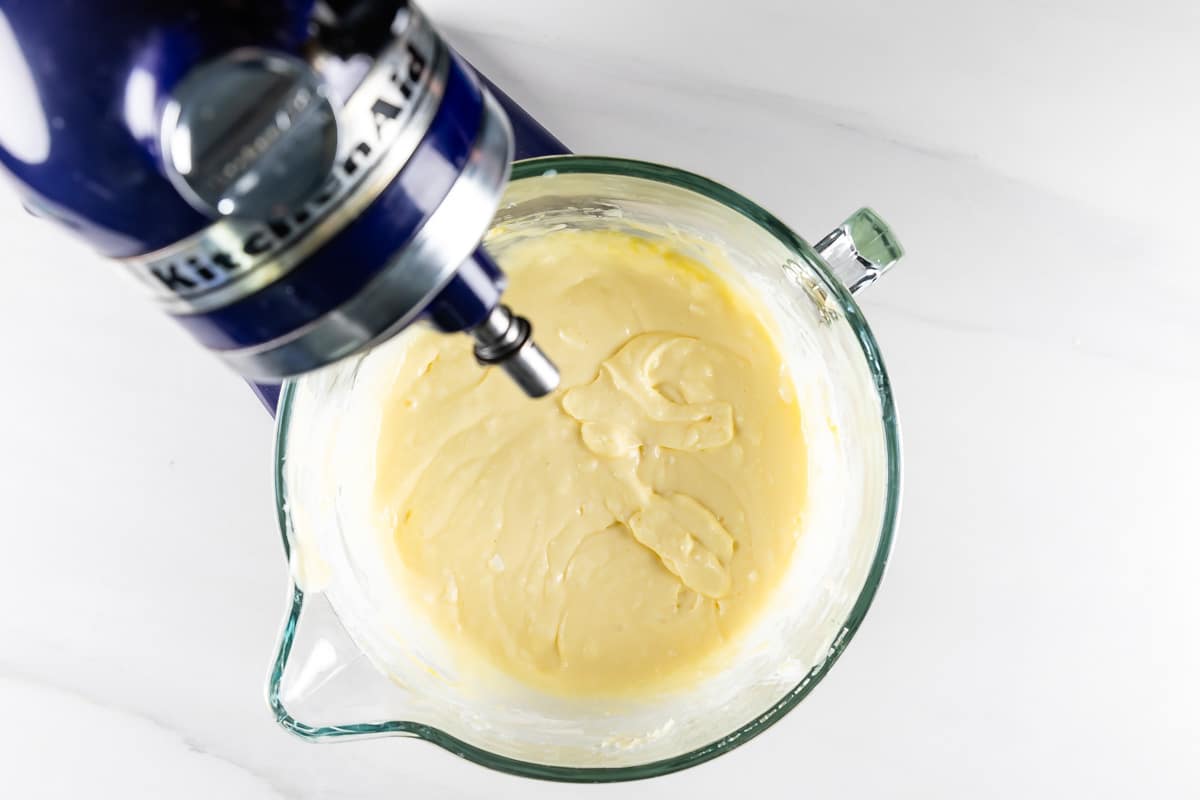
[[292, 181]]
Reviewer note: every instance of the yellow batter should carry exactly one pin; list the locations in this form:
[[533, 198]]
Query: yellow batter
[[615, 536]]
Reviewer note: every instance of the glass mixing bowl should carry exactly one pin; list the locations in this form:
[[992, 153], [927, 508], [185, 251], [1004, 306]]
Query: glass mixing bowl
[[348, 666]]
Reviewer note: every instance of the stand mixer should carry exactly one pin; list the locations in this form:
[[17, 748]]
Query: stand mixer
[[292, 181], [296, 181]]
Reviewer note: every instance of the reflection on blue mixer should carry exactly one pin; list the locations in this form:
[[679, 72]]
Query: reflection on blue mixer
[[292, 181]]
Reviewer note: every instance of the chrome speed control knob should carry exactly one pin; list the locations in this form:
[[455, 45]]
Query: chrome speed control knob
[[250, 134]]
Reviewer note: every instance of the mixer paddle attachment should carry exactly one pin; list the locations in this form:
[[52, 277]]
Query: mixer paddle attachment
[[504, 339]]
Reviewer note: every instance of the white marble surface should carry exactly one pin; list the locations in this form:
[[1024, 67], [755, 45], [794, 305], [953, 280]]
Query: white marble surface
[[1036, 635]]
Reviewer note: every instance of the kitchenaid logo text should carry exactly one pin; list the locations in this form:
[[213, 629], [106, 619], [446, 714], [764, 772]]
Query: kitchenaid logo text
[[372, 120]]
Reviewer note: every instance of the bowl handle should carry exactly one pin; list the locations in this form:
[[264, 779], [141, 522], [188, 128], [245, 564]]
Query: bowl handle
[[860, 250]]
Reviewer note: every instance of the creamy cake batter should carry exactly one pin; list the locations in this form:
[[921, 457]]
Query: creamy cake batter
[[615, 536]]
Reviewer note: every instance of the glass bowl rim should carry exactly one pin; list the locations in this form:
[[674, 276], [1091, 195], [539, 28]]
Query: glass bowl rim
[[624, 168]]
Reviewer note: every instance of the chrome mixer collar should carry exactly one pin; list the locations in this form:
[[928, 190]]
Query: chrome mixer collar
[[292, 182]]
